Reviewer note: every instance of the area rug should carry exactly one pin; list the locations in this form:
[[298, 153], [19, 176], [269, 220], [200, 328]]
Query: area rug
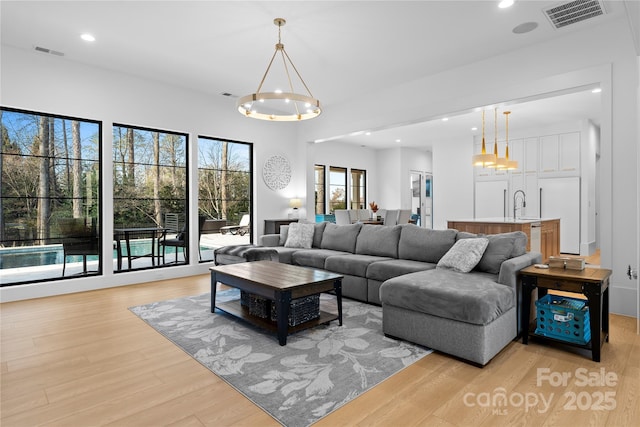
[[319, 370]]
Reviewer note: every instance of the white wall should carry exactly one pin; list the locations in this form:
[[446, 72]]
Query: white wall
[[389, 178], [589, 239], [452, 182], [49, 84], [341, 155], [603, 55]]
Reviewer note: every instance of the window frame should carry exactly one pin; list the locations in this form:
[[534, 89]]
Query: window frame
[[185, 201], [343, 172], [320, 203], [355, 204], [96, 210], [250, 173]]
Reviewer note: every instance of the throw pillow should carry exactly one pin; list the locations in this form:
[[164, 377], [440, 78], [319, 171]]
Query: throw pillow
[[284, 233], [498, 250], [300, 236], [340, 237], [464, 255]]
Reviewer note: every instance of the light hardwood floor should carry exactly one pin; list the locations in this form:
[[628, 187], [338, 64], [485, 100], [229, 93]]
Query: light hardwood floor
[[84, 359]]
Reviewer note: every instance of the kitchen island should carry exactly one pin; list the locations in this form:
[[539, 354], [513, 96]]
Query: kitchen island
[[543, 234]]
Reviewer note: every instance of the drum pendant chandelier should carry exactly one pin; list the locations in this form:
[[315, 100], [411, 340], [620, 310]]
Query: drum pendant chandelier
[[280, 105]]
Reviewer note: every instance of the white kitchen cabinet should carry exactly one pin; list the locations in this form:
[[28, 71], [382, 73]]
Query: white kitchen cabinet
[[516, 152], [560, 153], [569, 155], [549, 153], [491, 199], [560, 198], [530, 155], [532, 210]]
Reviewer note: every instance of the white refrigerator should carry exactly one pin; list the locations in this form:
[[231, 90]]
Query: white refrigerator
[[491, 199], [560, 198]]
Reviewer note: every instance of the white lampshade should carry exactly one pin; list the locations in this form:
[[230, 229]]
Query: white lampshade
[[295, 203]]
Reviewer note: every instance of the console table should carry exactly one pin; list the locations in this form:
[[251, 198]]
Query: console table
[[272, 226], [592, 282]]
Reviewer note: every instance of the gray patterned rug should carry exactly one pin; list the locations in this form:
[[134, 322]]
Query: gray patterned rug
[[319, 370]]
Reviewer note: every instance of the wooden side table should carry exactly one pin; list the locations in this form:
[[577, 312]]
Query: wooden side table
[[592, 282], [272, 226]]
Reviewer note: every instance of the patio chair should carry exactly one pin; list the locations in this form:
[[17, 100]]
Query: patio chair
[[180, 241], [78, 239], [241, 229]]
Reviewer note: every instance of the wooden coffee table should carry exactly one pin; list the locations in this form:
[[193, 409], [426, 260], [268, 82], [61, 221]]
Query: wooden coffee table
[[280, 283]]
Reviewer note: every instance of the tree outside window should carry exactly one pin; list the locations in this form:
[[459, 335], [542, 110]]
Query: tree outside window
[[337, 188], [51, 176]]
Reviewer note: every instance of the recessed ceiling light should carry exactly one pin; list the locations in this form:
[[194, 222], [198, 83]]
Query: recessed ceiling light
[[397, 140], [367, 133], [445, 119], [88, 37], [525, 27], [474, 128], [505, 3], [596, 90]]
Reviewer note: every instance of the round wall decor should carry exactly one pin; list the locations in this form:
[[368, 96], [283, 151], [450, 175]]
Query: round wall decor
[[276, 172]]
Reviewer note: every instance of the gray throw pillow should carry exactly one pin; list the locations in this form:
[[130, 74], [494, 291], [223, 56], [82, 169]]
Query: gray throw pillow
[[284, 233], [424, 244], [300, 236], [317, 234], [502, 246], [464, 254], [378, 241], [340, 237]]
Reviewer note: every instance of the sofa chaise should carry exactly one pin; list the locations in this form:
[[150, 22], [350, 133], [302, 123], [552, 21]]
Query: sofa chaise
[[412, 273]]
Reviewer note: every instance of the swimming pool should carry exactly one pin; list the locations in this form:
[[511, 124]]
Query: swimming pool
[[33, 256]]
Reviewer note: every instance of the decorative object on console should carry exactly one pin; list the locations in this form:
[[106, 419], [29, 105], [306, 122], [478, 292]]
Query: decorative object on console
[[295, 204], [276, 172], [279, 105], [568, 263]]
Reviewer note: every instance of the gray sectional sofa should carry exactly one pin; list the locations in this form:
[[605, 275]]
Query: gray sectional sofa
[[469, 315]]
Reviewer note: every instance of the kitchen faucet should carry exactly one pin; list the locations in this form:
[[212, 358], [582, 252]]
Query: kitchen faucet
[[524, 202]]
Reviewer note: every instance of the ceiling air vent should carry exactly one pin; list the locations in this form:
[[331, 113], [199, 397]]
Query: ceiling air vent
[[45, 50], [573, 12]]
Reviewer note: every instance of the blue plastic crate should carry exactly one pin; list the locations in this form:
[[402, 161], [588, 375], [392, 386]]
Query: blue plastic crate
[[563, 318]]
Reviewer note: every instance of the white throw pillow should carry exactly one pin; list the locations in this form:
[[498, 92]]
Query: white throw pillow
[[464, 254], [300, 235]]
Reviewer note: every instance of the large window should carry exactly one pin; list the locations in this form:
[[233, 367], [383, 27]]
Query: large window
[[150, 213], [337, 188], [224, 193], [319, 173], [358, 189], [50, 197]]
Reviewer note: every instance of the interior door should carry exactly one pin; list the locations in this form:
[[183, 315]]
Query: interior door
[[560, 198]]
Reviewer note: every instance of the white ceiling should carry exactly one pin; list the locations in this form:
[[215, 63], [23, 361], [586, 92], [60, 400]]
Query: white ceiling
[[341, 48]]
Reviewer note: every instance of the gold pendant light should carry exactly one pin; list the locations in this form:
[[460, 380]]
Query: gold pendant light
[[279, 105], [505, 163], [483, 159], [499, 163]]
